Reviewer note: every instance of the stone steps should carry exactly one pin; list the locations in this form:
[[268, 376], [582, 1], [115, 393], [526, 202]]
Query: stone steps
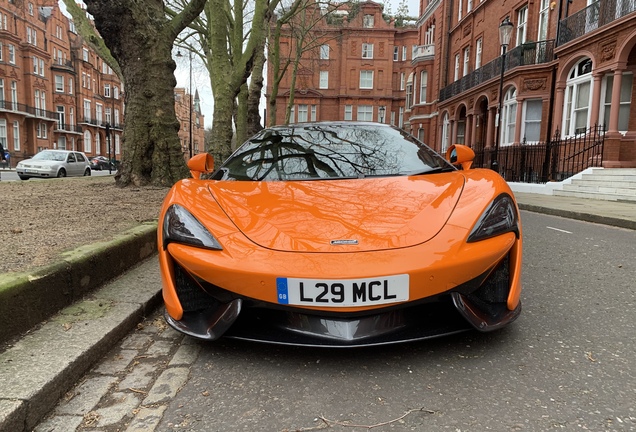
[[612, 184]]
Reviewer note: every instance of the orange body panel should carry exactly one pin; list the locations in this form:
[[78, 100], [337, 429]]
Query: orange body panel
[[405, 225]]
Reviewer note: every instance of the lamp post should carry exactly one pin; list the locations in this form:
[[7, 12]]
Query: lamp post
[[381, 111], [189, 101], [505, 33]]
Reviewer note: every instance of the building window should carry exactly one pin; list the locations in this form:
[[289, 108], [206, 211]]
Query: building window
[[445, 133], [532, 120], [87, 110], [3, 133], [469, 7], [59, 83], [116, 92], [401, 118], [313, 113], [31, 9], [41, 130], [2, 104], [88, 147], [461, 131], [1, 52], [522, 24], [577, 98], [324, 52], [70, 86], [109, 117], [366, 79], [403, 53], [38, 66], [16, 136], [367, 51], [542, 34], [85, 54], [98, 144], [368, 21], [61, 117], [423, 86], [509, 117], [402, 80], [365, 113], [456, 76], [409, 92], [99, 113], [14, 95], [466, 60], [302, 113], [348, 112], [116, 115], [117, 144], [625, 100], [396, 53], [459, 10], [478, 53], [324, 80], [11, 54], [107, 90]]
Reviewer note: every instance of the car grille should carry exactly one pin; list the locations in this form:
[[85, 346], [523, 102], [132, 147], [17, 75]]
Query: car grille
[[191, 296]]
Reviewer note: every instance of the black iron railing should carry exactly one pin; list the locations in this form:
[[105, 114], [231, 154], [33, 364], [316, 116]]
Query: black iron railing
[[596, 15], [530, 53], [556, 160], [67, 128], [22, 108]]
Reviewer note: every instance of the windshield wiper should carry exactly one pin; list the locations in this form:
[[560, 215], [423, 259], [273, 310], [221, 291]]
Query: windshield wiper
[[429, 170]]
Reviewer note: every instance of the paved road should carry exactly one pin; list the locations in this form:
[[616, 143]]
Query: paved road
[[567, 363]]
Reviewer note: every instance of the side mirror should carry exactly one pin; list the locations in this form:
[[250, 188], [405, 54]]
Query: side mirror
[[461, 155], [200, 164]]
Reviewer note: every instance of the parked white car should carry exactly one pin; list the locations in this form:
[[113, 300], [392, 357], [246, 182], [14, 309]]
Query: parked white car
[[54, 163]]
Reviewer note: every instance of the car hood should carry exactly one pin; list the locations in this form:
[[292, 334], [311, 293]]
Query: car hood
[[341, 215], [31, 162]]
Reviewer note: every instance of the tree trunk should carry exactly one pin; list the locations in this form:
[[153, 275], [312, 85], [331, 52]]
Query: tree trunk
[[141, 39], [255, 90]]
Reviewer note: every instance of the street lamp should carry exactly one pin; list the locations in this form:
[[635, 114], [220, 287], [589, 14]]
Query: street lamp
[[190, 101], [381, 111], [505, 33]]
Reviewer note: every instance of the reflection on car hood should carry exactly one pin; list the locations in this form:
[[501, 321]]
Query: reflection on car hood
[[358, 215], [31, 162]]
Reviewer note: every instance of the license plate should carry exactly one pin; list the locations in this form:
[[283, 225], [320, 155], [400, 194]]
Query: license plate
[[30, 170], [343, 292]]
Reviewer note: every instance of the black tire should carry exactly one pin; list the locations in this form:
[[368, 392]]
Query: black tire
[[24, 177], [61, 173], [87, 172]]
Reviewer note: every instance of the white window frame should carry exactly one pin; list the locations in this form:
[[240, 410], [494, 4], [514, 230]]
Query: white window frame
[[509, 117], [578, 82], [456, 76], [459, 10], [314, 111], [544, 16], [99, 112], [11, 54], [466, 60], [3, 133], [59, 83], [88, 146], [364, 113], [324, 52], [423, 86], [396, 53], [624, 111], [533, 124], [324, 80], [303, 113], [366, 79], [348, 112], [367, 50], [85, 55], [107, 90], [445, 133], [480, 43], [522, 25], [402, 81], [404, 53], [16, 135], [87, 110]]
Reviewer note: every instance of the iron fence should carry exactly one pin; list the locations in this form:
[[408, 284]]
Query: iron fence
[[555, 160], [530, 53], [596, 15]]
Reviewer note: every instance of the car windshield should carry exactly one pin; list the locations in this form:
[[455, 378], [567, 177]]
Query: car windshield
[[50, 155], [330, 151]]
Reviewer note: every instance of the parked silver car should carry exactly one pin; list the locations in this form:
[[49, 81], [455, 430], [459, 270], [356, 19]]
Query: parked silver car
[[54, 163]]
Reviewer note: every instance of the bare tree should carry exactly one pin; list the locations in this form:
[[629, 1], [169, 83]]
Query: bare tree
[[140, 37]]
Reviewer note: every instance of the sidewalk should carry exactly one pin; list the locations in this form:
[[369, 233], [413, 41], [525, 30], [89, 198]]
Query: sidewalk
[[35, 373]]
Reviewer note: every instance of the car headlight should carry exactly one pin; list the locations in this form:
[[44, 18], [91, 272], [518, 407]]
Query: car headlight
[[499, 218], [180, 226]]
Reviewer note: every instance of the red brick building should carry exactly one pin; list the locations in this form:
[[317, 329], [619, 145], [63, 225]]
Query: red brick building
[[355, 68], [568, 68], [55, 92], [191, 119]]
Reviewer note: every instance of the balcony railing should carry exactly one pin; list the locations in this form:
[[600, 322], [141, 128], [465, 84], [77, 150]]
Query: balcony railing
[[60, 63], [423, 52], [22, 108], [530, 53], [592, 17], [67, 128]]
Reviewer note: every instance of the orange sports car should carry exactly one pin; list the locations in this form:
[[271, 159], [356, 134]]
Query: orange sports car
[[339, 234]]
